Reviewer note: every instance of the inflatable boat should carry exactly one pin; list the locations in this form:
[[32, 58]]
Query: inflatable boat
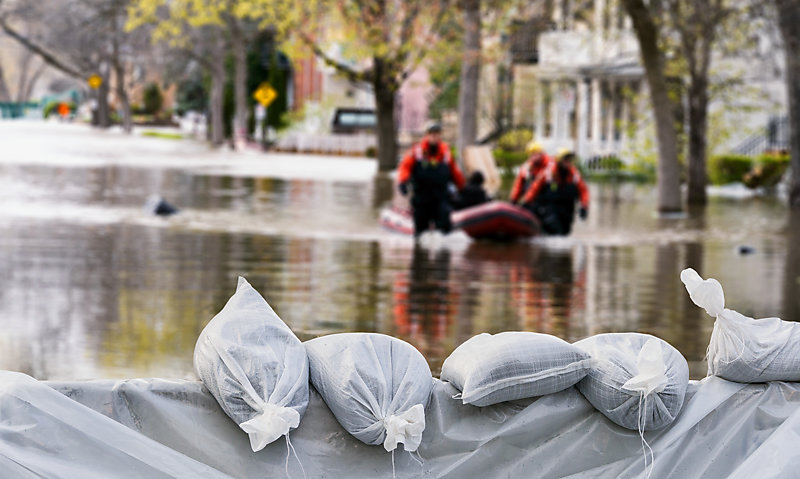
[[495, 220], [397, 219]]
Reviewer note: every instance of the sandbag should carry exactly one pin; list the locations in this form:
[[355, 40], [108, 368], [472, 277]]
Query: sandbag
[[744, 349], [638, 381], [489, 369], [375, 385], [254, 366]]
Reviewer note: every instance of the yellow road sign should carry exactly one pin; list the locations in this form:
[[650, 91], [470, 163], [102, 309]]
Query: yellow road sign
[[94, 81], [265, 94]]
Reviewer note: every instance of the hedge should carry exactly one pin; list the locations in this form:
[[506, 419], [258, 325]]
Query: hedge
[[723, 169]]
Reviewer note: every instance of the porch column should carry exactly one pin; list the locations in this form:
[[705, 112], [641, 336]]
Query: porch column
[[599, 27], [538, 121], [609, 114], [625, 121], [596, 114]]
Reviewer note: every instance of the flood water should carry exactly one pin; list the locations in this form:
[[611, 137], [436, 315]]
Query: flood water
[[93, 287]]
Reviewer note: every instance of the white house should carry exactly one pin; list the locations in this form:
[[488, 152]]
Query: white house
[[590, 94]]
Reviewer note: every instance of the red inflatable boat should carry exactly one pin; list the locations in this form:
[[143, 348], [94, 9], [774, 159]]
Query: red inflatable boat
[[497, 220]]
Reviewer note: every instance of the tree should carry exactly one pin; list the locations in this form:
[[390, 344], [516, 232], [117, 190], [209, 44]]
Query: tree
[[389, 40], [238, 21], [173, 24], [788, 21], [470, 75], [646, 23], [80, 38], [4, 94], [696, 22]]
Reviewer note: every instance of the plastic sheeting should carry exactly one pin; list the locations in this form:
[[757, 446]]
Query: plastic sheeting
[[176, 429]]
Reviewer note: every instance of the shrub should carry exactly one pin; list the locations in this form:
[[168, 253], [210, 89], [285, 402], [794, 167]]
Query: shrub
[[508, 160], [152, 98], [723, 169], [515, 140], [52, 108], [767, 171], [642, 170]]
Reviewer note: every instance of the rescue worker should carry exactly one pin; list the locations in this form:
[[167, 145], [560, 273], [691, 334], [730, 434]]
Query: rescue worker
[[553, 194], [429, 169], [537, 162], [473, 194]]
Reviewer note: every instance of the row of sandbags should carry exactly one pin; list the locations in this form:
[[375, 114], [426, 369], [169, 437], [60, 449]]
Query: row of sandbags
[[377, 386]]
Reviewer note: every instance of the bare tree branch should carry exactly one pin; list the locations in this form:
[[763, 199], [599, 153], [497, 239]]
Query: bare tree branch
[[45, 55], [415, 62], [346, 70]]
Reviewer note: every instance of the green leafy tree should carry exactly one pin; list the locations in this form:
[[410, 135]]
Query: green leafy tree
[[381, 43], [197, 26]]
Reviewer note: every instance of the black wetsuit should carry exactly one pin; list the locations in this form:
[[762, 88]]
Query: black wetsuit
[[471, 195], [555, 207], [431, 200]]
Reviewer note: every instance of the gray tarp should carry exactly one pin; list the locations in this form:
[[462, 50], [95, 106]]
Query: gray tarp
[[164, 428]]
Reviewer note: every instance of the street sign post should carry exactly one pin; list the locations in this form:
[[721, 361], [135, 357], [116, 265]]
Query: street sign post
[[265, 94]]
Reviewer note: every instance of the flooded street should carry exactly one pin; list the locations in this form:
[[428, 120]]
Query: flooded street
[[92, 286]]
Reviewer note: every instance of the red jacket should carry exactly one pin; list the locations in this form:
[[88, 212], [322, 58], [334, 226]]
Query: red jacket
[[419, 153], [527, 173], [549, 175]]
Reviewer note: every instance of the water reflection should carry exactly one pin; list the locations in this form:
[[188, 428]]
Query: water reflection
[[425, 305], [90, 286]]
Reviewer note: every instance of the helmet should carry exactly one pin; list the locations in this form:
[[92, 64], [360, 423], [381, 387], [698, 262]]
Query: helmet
[[562, 152], [533, 147], [433, 127]]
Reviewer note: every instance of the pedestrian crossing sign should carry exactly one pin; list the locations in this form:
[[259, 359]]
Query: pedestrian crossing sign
[[265, 94]]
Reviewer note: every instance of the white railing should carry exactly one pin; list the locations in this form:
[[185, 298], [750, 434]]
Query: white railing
[[326, 143]]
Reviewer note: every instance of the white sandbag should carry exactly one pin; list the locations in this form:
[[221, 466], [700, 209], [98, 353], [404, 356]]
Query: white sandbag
[[375, 385], [489, 369], [744, 349], [254, 366], [639, 381]]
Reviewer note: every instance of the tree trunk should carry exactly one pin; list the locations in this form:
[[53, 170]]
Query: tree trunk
[[698, 127], [103, 111], [791, 287], [119, 74], [4, 94], [216, 99], [669, 187], [789, 19], [385, 86], [470, 76], [122, 97], [240, 86]]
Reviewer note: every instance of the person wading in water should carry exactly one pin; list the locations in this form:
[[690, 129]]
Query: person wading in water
[[553, 195], [429, 169]]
